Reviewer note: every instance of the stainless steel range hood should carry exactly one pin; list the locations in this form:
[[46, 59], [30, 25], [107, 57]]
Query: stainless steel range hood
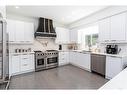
[[45, 29]]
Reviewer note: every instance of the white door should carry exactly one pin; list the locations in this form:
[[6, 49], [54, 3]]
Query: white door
[[11, 30], [118, 24], [15, 64], [19, 34], [28, 32], [104, 30], [113, 66]]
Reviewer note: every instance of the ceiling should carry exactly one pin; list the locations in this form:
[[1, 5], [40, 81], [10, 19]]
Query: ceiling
[[62, 14]]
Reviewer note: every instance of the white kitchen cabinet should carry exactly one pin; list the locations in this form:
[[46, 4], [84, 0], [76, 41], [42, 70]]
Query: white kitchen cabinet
[[20, 32], [63, 58], [32, 62], [75, 36], [15, 64], [11, 30], [114, 65], [21, 63], [113, 29], [25, 61], [104, 30], [84, 61], [118, 24], [73, 57], [28, 32], [62, 35], [81, 60]]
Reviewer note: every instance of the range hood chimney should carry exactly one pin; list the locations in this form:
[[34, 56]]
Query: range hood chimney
[[45, 28]]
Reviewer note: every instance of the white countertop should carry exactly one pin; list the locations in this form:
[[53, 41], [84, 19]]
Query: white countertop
[[80, 51], [118, 82], [22, 53]]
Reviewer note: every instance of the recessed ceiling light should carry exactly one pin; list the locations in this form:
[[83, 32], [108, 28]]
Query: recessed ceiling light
[[16, 7]]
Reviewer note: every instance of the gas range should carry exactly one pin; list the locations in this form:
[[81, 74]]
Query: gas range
[[46, 59]]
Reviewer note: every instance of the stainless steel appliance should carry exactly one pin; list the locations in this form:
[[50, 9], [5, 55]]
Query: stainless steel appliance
[[45, 29], [112, 49], [4, 59], [46, 60], [98, 63]]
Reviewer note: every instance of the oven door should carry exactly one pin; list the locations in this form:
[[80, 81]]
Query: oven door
[[52, 60], [40, 63]]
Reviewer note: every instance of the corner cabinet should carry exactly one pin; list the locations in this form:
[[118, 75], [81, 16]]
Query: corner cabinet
[[20, 32], [113, 29], [75, 36], [62, 35], [21, 63]]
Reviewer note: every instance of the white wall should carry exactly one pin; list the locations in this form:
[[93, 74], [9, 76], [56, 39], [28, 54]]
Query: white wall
[[36, 45]]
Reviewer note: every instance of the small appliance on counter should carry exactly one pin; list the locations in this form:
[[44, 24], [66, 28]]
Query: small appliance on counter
[[60, 47], [112, 49]]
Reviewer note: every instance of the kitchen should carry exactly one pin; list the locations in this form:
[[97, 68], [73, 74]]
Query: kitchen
[[48, 44]]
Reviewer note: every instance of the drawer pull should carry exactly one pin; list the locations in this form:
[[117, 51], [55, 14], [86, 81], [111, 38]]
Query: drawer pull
[[25, 58], [25, 64]]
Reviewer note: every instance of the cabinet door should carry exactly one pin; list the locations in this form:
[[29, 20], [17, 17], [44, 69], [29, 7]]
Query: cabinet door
[[62, 35], [118, 32], [28, 32], [19, 34], [11, 30], [31, 62], [104, 30], [25, 61], [15, 64], [83, 60], [63, 58], [113, 66], [72, 57]]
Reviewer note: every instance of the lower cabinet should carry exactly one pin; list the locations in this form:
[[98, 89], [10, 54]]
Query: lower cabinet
[[63, 58], [81, 60], [114, 65], [15, 64], [21, 63]]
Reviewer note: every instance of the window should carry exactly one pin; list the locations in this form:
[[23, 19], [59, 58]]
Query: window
[[91, 40], [89, 36]]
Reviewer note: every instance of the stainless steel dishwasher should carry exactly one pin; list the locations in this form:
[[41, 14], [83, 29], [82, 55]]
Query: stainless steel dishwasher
[[98, 63]]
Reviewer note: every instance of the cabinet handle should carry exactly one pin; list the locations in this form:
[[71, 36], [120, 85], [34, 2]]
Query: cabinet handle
[[24, 54], [113, 40], [25, 58], [25, 64], [15, 55]]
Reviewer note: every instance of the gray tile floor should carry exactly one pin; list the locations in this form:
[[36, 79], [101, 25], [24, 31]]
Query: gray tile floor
[[64, 77]]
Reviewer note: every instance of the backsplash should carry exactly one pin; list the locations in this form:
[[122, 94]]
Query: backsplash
[[122, 46], [39, 44]]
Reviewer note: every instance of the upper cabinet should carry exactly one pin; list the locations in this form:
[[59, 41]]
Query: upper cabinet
[[75, 36], [113, 29], [104, 30], [118, 25], [20, 32], [62, 35]]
